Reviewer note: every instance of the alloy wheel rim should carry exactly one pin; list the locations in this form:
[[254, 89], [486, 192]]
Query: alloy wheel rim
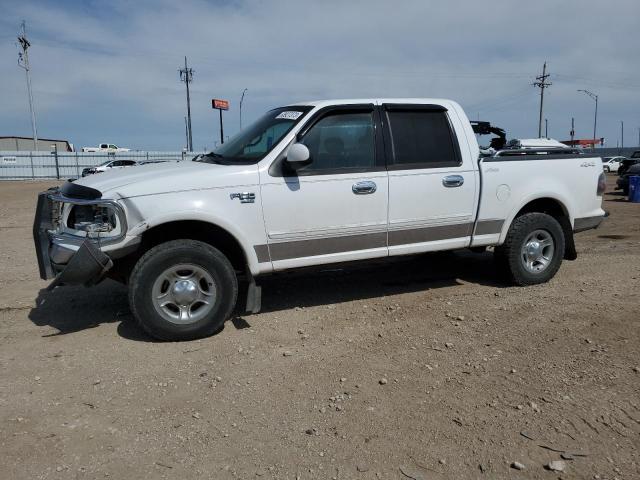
[[184, 294], [537, 251]]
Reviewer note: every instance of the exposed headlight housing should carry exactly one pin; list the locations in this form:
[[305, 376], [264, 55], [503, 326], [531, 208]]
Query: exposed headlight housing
[[93, 219], [100, 219]]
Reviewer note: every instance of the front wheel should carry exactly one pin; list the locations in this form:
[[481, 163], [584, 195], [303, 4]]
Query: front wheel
[[182, 290], [533, 250]]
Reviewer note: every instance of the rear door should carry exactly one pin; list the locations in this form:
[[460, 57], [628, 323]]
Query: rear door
[[335, 209], [432, 182]]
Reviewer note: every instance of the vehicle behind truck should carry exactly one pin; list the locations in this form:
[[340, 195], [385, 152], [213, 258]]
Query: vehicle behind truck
[[314, 183], [105, 148]]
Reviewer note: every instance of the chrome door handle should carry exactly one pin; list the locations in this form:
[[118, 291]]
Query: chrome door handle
[[453, 181], [364, 188]]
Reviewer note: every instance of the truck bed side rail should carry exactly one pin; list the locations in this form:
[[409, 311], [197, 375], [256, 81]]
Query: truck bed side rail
[[538, 154]]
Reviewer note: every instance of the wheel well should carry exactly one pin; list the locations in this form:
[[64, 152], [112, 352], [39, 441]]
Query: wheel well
[[555, 209], [549, 206], [206, 232]]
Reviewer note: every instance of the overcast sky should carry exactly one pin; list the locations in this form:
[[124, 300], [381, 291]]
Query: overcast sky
[[108, 70]]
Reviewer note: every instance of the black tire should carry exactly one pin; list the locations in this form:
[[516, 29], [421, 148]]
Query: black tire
[[509, 255], [170, 254]]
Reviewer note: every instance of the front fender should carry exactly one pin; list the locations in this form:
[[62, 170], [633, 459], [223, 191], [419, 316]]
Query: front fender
[[216, 207]]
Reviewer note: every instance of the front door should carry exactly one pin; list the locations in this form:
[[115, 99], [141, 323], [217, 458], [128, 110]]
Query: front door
[[432, 183], [334, 209]]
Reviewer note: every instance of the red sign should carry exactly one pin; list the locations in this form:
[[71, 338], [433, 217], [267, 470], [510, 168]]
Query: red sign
[[220, 104]]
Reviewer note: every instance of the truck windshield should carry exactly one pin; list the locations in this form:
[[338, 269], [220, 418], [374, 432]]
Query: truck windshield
[[254, 142]]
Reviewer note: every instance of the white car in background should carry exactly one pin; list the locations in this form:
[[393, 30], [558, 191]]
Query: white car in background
[[611, 164], [107, 166]]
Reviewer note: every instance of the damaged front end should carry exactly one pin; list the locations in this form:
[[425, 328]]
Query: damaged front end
[[72, 226]]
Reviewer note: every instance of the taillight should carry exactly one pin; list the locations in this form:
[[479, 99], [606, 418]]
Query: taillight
[[602, 184]]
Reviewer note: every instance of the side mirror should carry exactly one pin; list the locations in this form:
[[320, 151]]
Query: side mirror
[[298, 156]]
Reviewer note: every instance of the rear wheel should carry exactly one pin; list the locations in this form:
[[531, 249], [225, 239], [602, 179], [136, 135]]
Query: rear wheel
[[533, 250], [182, 290]]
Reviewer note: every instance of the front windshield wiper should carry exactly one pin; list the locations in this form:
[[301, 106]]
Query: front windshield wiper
[[213, 157], [208, 157]]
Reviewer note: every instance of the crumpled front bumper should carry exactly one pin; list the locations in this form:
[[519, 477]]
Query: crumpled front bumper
[[70, 260]]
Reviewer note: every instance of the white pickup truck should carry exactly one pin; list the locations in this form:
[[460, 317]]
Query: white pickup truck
[[105, 148], [312, 184]]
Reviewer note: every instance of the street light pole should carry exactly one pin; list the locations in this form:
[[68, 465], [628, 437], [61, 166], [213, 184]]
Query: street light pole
[[595, 117], [54, 147], [242, 100]]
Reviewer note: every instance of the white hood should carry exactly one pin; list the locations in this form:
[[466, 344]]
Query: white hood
[[155, 178]]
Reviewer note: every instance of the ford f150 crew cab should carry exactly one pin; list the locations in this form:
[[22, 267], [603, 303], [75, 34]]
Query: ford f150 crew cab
[[312, 184]]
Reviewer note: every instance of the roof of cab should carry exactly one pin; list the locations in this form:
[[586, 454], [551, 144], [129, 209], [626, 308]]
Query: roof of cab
[[349, 101]]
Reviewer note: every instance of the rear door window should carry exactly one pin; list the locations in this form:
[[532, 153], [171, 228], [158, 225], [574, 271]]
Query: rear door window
[[421, 137]]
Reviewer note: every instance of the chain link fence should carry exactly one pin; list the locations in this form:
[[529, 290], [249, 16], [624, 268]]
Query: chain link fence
[[47, 165]]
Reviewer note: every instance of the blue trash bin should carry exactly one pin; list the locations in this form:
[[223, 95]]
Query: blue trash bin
[[634, 189]]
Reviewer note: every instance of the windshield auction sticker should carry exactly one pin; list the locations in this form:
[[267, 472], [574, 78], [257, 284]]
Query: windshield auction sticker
[[290, 115]]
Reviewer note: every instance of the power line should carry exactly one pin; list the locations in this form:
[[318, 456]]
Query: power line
[[490, 104], [541, 82], [186, 76], [23, 62]]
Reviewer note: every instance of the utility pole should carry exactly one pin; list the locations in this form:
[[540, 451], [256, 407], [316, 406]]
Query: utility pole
[[541, 82], [546, 128], [23, 62], [573, 131], [186, 133], [186, 76], [241, 100], [595, 116], [622, 134]]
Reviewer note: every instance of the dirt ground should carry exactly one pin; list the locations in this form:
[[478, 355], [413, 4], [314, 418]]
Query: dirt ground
[[478, 374]]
